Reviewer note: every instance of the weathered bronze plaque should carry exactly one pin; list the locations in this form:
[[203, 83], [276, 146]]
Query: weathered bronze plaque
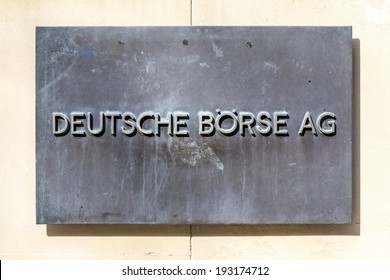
[[168, 125]]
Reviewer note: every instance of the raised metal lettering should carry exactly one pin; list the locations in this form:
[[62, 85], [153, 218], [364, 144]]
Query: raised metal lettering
[[100, 130], [326, 123], [178, 122], [206, 120], [264, 119], [247, 119], [280, 121], [129, 121], [141, 119], [159, 122], [114, 116], [222, 116], [65, 129], [76, 121], [307, 124]]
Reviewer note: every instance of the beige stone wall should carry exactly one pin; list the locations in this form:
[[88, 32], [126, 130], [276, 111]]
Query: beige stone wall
[[368, 237]]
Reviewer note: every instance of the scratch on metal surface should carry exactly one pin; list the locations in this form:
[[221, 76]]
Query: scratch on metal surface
[[58, 78], [269, 65], [218, 51]]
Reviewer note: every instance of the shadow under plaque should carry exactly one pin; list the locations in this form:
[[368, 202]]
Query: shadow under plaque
[[244, 230]]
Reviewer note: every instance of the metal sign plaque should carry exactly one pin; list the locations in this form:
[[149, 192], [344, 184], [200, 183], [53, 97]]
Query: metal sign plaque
[[179, 125]]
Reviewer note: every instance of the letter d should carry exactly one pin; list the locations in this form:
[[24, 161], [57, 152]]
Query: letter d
[[57, 131]]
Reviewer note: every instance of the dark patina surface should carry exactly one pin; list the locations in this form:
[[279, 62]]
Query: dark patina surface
[[171, 179]]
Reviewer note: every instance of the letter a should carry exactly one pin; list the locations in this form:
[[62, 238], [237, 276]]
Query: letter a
[[307, 124]]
